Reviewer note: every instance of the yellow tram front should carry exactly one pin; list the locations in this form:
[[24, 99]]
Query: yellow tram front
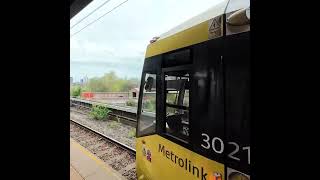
[[194, 99]]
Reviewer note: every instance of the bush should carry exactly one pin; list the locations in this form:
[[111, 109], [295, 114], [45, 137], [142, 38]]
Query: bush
[[75, 91], [131, 103], [99, 112]]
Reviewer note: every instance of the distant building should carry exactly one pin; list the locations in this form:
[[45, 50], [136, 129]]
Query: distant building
[[134, 93], [85, 79], [71, 80]]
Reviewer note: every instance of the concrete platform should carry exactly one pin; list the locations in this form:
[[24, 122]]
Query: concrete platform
[[86, 166], [74, 175]]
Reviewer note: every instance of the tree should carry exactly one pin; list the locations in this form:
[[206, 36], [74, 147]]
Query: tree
[[110, 82]]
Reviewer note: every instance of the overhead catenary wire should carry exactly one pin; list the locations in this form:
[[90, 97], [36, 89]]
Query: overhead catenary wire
[[99, 18], [90, 13]]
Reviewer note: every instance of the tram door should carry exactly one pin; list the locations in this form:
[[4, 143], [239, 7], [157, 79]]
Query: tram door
[[237, 103]]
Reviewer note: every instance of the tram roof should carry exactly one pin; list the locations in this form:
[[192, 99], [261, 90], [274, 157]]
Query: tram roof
[[194, 30]]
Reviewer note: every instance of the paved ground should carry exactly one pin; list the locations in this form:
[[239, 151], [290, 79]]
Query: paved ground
[[86, 166]]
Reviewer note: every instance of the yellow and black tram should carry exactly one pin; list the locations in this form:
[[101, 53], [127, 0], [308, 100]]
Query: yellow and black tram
[[194, 99]]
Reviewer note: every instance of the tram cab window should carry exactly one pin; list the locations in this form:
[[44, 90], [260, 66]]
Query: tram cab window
[[147, 121], [177, 104]]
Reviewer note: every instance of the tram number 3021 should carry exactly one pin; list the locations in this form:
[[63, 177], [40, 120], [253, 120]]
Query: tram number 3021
[[219, 149]]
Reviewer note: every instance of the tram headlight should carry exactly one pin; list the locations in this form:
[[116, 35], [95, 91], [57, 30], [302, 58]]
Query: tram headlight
[[248, 13], [240, 17]]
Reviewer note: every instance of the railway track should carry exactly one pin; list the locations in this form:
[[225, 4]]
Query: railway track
[[126, 115], [116, 154]]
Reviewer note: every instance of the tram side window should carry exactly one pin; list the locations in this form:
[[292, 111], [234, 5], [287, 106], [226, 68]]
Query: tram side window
[[177, 104], [147, 121]]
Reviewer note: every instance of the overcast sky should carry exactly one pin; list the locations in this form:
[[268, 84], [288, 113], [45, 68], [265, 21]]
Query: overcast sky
[[117, 42]]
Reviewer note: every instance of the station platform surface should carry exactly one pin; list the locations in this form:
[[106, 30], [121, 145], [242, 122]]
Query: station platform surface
[[86, 166]]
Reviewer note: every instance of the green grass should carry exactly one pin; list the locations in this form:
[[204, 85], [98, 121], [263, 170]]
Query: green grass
[[113, 124], [132, 133]]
